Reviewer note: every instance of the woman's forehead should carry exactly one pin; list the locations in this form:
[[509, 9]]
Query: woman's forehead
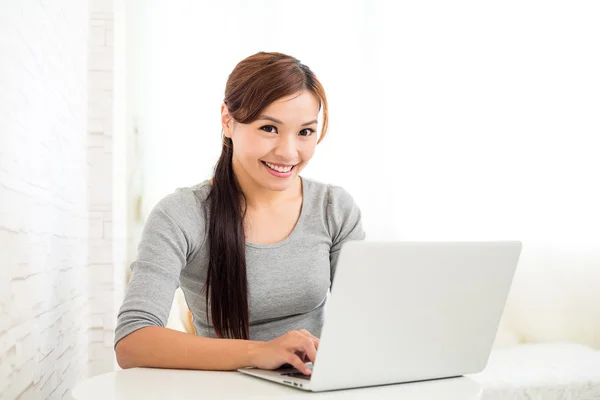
[[302, 107]]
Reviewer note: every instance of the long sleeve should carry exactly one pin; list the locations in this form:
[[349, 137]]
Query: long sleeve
[[170, 236], [344, 222]]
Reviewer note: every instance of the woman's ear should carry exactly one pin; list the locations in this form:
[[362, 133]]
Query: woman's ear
[[226, 121]]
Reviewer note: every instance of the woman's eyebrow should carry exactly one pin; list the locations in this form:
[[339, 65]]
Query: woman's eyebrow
[[279, 122]]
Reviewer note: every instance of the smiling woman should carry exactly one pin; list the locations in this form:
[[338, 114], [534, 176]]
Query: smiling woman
[[255, 248]]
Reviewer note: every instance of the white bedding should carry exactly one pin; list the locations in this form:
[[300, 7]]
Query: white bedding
[[542, 371]]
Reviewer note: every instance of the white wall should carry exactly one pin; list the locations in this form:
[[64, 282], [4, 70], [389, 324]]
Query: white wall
[[63, 189], [107, 174], [496, 119], [44, 221]]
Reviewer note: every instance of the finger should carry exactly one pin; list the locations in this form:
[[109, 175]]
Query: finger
[[307, 347], [310, 350], [298, 364], [302, 356], [315, 339]]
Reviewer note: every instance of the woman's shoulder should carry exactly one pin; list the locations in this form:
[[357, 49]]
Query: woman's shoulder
[[200, 190], [332, 194], [184, 204], [341, 213]]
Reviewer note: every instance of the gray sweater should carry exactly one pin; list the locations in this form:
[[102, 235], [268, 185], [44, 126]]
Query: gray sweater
[[287, 281]]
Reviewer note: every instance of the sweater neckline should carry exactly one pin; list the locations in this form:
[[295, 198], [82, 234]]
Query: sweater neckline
[[296, 228]]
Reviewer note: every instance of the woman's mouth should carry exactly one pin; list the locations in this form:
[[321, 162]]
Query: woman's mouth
[[279, 170]]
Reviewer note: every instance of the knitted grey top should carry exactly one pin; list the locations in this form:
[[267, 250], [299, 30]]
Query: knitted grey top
[[287, 281]]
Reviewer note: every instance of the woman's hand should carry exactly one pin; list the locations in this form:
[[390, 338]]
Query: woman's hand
[[295, 348]]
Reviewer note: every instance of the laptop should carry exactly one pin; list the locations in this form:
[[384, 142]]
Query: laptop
[[408, 311]]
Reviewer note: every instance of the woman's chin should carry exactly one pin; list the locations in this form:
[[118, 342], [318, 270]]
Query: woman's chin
[[278, 184]]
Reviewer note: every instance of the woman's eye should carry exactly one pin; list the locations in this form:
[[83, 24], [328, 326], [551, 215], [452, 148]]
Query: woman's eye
[[267, 128], [307, 132]]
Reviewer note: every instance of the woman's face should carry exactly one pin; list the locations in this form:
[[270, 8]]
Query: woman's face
[[272, 150]]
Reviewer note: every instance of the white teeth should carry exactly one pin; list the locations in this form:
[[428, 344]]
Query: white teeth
[[279, 169]]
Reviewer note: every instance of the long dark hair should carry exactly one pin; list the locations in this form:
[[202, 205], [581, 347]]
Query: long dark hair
[[254, 83]]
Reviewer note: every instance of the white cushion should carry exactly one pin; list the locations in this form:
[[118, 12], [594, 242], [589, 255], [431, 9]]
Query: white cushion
[[541, 371], [555, 295]]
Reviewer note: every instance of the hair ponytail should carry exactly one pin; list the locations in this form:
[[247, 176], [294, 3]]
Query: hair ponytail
[[226, 278]]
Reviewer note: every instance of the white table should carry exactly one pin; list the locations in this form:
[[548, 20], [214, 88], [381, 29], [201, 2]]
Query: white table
[[150, 383]]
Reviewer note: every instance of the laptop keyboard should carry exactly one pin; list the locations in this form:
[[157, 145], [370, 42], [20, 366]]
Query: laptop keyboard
[[297, 375], [294, 373]]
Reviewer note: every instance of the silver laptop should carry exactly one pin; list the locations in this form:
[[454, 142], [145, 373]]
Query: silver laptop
[[408, 311]]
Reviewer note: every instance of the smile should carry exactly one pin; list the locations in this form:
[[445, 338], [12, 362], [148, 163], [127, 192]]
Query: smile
[[278, 167]]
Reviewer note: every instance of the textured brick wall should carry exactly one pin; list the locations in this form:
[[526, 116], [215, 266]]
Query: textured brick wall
[[100, 153], [44, 219]]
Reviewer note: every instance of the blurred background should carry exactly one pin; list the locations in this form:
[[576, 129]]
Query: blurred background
[[448, 121]]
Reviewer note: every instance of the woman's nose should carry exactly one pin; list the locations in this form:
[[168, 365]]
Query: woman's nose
[[286, 149]]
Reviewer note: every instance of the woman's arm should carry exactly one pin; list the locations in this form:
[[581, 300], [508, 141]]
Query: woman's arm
[[172, 234], [160, 347]]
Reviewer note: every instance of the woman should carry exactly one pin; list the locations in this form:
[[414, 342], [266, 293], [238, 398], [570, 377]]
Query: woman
[[255, 248]]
